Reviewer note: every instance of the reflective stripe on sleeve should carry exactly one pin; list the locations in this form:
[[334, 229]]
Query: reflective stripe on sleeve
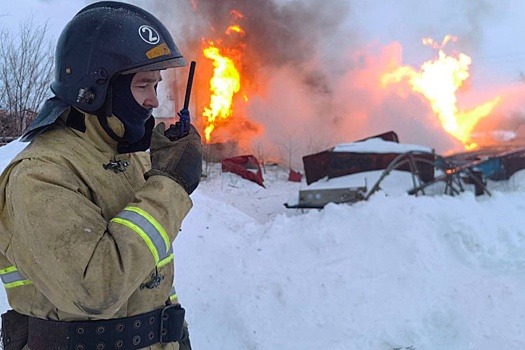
[[147, 228], [166, 259], [173, 294], [12, 278]]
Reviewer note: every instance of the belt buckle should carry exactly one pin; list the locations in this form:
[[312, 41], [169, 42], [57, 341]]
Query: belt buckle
[[174, 314], [164, 317]]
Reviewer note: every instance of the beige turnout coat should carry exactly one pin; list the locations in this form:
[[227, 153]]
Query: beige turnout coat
[[77, 240]]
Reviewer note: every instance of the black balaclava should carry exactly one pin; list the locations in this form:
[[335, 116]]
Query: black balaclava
[[128, 110]]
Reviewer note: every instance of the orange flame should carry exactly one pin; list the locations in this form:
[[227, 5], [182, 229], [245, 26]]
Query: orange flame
[[236, 29], [438, 81], [223, 85]]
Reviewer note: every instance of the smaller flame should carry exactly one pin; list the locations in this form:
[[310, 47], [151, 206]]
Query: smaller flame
[[438, 81], [433, 44], [236, 14], [236, 29]]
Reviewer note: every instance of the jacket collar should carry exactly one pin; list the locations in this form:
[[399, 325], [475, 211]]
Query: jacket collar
[[95, 134]]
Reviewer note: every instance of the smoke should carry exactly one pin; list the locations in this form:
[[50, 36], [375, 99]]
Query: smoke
[[312, 68]]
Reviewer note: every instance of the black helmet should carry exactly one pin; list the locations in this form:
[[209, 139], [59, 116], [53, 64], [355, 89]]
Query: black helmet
[[105, 39]]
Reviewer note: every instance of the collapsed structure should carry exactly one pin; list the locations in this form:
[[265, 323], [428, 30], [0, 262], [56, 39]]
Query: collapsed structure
[[384, 153]]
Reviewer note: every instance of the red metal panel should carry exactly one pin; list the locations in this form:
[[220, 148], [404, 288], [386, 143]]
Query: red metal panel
[[334, 164], [241, 165], [316, 166]]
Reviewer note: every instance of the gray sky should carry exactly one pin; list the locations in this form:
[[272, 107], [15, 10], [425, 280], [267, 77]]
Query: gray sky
[[321, 53], [55, 12], [492, 32]]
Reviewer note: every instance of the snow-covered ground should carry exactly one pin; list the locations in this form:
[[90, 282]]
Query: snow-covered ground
[[395, 272]]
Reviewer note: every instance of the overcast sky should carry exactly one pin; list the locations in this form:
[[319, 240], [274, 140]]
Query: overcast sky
[[492, 32], [55, 12]]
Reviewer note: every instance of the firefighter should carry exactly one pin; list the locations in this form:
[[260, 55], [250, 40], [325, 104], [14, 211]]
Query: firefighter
[[87, 216]]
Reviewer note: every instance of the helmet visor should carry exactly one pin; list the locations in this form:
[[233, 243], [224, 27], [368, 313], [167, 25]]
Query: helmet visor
[[171, 63]]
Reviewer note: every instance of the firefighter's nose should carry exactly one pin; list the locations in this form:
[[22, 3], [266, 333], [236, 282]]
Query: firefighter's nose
[[151, 101]]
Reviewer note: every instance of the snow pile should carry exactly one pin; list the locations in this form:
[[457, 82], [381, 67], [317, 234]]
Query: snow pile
[[9, 151], [395, 272], [378, 145]]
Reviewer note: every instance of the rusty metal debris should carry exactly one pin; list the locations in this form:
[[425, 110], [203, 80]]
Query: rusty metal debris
[[454, 172]]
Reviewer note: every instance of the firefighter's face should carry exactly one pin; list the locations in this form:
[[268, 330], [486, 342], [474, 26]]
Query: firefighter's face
[[144, 88]]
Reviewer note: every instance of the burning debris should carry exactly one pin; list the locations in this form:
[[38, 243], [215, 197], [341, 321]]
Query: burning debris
[[328, 182], [290, 77], [327, 172], [240, 45]]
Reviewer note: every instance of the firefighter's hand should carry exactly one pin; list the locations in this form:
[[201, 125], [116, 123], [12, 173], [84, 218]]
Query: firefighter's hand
[[180, 160]]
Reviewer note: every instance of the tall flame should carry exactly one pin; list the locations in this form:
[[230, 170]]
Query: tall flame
[[439, 80], [223, 85]]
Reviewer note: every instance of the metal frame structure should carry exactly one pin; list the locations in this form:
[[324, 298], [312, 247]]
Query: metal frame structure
[[452, 175]]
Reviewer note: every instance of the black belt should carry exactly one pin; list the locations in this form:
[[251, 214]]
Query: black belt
[[129, 333]]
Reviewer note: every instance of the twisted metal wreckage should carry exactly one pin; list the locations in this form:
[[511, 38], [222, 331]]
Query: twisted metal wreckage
[[453, 172]]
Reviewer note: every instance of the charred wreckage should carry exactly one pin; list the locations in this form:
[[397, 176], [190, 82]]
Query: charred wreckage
[[429, 171]]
